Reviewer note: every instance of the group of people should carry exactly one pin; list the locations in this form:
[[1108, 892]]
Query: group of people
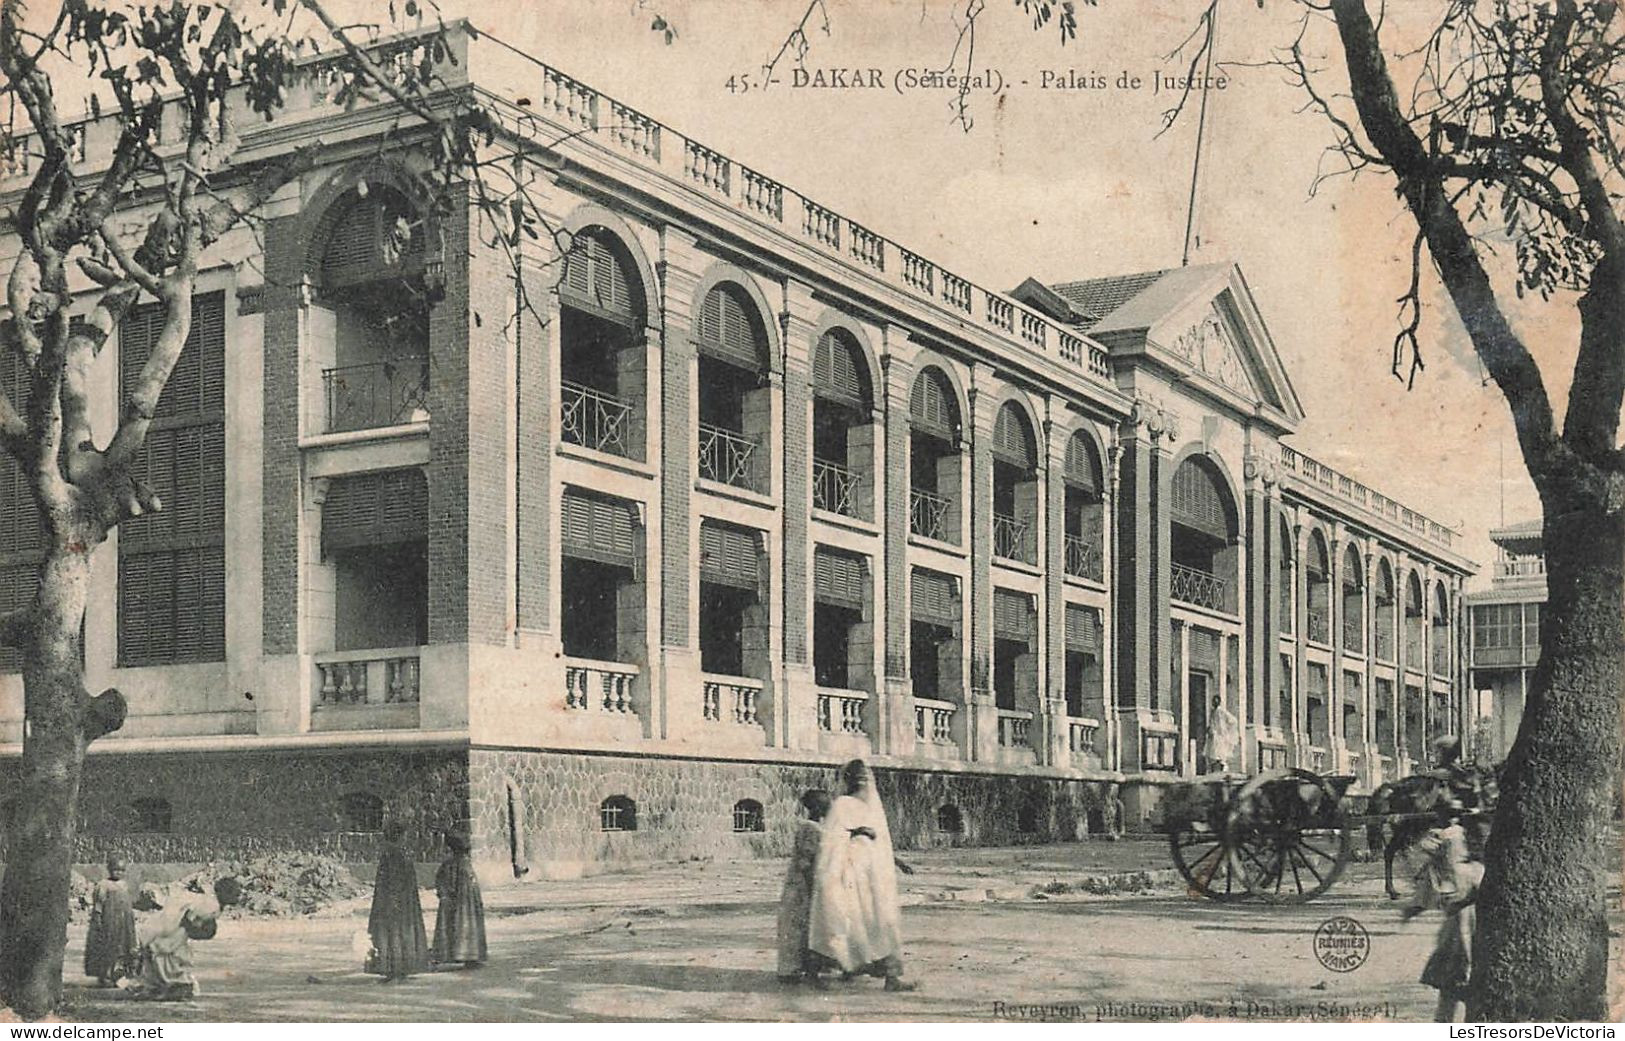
[[1447, 880], [839, 911], [155, 962]]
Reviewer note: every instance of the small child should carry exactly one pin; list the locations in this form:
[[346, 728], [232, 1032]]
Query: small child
[[459, 924], [797, 962], [110, 943]]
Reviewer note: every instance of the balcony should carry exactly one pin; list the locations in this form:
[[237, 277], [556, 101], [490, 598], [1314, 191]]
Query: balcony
[[928, 514], [1083, 559], [934, 721], [1015, 729], [376, 394], [1318, 760], [1012, 539], [595, 420], [841, 711], [1199, 588], [834, 488], [1271, 756], [366, 690], [1082, 735], [1530, 567], [598, 686], [728, 458], [731, 699]]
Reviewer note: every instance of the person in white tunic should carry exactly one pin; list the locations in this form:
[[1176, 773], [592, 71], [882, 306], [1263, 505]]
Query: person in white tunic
[[1223, 738], [855, 919]]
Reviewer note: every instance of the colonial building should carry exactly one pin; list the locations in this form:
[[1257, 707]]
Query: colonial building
[[614, 555], [1505, 624]]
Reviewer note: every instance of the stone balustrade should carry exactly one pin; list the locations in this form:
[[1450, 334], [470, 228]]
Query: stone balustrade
[[1015, 728], [934, 721], [731, 699], [371, 677], [840, 711], [599, 686]]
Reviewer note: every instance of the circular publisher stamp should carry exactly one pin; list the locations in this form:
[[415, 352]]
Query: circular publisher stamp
[[1342, 944]]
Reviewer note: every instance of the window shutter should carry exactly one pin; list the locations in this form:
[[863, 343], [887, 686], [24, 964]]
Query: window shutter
[[21, 530], [931, 408], [1012, 616], [730, 556], [390, 506], [1081, 471], [1082, 629], [933, 598], [355, 250], [1198, 502], [838, 371], [1317, 680], [1012, 440], [18, 584], [728, 329], [839, 579], [1204, 650], [596, 280], [600, 529]]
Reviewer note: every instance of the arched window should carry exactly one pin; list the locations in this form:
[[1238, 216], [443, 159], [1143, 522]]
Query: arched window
[[1383, 612], [735, 414], [1353, 604], [617, 813], [1286, 594], [362, 811], [602, 359], [934, 457], [1084, 516], [1319, 581], [1441, 630], [843, 427], [1015, 486], [1202, 537], [748, 816], [950, 820], [151, 814], [1415, 622], [377, 234]]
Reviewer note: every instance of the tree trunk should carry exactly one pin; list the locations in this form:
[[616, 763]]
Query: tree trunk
[[39, 866], [1542, 945]]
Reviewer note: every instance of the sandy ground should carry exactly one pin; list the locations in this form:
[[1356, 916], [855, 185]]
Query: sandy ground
[[696, 942]]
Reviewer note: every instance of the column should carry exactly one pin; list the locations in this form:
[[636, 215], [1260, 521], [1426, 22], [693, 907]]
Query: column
[[1112, 755], [1257, 610], [1402, 656], [1301, 738], [679, 698], [796, 699], [1368, 609], [897, 380], [983, 728], [1052, 558], [1132, 587]]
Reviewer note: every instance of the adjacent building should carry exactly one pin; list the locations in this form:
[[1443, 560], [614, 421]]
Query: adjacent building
[[608, 544], [1504, 621]]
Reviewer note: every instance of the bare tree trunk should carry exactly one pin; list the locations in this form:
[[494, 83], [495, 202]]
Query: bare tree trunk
[[1542, 947], [34, 896]]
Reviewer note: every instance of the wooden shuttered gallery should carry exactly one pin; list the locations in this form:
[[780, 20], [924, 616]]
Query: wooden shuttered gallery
[[597, 280], [730, 556], [931, 408], [598, 528], [934, 598], [171, 568], [385, 508], [1013, 616], [371, 238], [22, 532], [1083, 629], [729, 329], [1013, 438], [1197, 501], [839, 371], [840, 579]]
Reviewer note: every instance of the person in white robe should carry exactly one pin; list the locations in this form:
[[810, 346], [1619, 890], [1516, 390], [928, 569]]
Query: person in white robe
[[856, 919], [1223, 738]]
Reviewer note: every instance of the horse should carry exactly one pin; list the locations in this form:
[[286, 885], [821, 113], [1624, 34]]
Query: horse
[[1407, 808]]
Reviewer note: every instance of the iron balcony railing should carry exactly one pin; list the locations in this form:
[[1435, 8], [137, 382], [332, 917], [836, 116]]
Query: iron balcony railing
[[728, 457], [1083, 558], [1011, 539], [834, 488], [595, 420], [376, 394], [928, 514], [1199, 588]]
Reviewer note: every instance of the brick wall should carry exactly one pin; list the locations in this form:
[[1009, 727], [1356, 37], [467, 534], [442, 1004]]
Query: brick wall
[[284, 268]]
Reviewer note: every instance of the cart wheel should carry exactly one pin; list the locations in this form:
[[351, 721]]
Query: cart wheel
[[1213, 868], [1292, 825]]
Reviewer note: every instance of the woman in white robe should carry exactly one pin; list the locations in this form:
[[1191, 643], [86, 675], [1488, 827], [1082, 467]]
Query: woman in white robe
[[855, 919]]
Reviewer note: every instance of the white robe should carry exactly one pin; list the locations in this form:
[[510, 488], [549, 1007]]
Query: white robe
[[1223, 739], [855, 918]]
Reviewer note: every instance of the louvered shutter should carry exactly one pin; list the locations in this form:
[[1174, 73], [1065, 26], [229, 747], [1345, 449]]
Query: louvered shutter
[[728, 329], [21, 529], [600, 529], [839, 579], [932, 598], [1197, 501], [18, 584], [730, 556], [1082, 629], [1012, 441], [1081, 471], [931, 408], [838, 371], [596, 280], [355, 249], [1204, 650], [376, 509], [1012, 616]]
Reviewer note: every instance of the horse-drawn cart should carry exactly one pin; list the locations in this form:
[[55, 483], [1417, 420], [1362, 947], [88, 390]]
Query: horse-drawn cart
[[1285, 836]]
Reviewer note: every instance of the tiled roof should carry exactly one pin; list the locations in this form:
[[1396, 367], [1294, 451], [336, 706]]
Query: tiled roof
[[1095, 298], [1529, 529]]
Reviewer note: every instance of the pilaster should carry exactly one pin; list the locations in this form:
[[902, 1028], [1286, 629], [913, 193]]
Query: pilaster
[[984, 728]]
